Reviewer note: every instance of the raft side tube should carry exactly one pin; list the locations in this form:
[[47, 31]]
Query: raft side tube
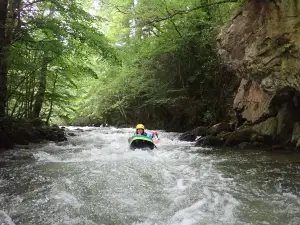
[[141, 142]]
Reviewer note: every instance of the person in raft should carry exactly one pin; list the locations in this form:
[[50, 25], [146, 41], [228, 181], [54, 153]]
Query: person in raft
[[139, 130]]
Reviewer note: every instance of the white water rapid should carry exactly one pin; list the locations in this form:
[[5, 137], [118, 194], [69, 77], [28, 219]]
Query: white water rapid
[[95, 179]]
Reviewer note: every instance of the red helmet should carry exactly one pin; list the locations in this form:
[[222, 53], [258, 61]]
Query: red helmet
[[154, 133]]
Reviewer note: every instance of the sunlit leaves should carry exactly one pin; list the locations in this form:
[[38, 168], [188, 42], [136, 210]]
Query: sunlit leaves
[[168, 62], [73, 41]]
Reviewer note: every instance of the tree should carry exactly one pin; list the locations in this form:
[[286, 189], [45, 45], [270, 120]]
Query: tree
[[9, 25], [3, 50], [49, 42], [170, 74]]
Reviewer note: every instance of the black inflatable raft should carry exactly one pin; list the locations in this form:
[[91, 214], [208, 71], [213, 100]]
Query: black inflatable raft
[[141, 142]]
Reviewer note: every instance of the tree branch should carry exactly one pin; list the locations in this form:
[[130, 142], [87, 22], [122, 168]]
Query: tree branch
[[119, 10], [181, 12], [172, 20]]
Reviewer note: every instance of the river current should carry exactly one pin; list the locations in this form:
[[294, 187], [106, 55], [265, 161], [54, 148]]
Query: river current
[[95, 179]]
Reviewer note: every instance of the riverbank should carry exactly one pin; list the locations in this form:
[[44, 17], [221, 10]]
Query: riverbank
[[15, 132], [267, 135]]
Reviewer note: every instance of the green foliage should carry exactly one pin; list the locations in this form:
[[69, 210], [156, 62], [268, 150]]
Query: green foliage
[[71, 39], [156, 63], [170, 76]]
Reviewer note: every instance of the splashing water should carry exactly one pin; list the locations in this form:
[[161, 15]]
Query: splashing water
[[96, 179]]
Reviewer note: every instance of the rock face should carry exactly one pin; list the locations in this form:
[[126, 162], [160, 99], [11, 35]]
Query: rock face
[[296, 133], [262, 46]]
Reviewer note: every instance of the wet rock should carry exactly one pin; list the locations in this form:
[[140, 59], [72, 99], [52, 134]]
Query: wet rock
[[20, 136], [56, 134], [55, 126], [38, 134], [71, 134], [223, 135], [217, 128], [296, 133], [287, 115], [187, 136], [263, 132], [5, 142], [298, 143], [79, 129], [209, 140], [239, 136], [22, 132], [266, 128], [36, 122], [200, 131]]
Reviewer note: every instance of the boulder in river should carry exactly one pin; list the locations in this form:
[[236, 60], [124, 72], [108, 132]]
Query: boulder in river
[[239, 136], [200, 131], [79, 129], [56, 134], [223, 135], [22, 132], [20, 136], [263, 132], [217, 128], [5, 141], [209, 140], [187, 136]]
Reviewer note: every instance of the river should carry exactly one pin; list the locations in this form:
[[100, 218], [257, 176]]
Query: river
[[95, 179]]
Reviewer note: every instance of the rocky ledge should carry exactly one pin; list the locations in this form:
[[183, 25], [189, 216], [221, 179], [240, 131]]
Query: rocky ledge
[[261, 45], [264, 135], [21, 132]]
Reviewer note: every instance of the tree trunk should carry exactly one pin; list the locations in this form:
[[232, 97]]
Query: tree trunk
[[51, 99], [39, 97], [3, 62], [10, 22]]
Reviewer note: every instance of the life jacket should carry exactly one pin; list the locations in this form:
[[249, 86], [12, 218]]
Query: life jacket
[[143, 134]]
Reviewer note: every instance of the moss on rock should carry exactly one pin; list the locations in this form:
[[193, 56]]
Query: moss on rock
[[217, 128], [267, 127], [239, 136]]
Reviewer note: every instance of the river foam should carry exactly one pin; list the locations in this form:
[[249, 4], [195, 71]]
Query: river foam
[[96, 179]]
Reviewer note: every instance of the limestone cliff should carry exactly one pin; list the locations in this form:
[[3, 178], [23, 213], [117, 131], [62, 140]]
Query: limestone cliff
[[261, 45]]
